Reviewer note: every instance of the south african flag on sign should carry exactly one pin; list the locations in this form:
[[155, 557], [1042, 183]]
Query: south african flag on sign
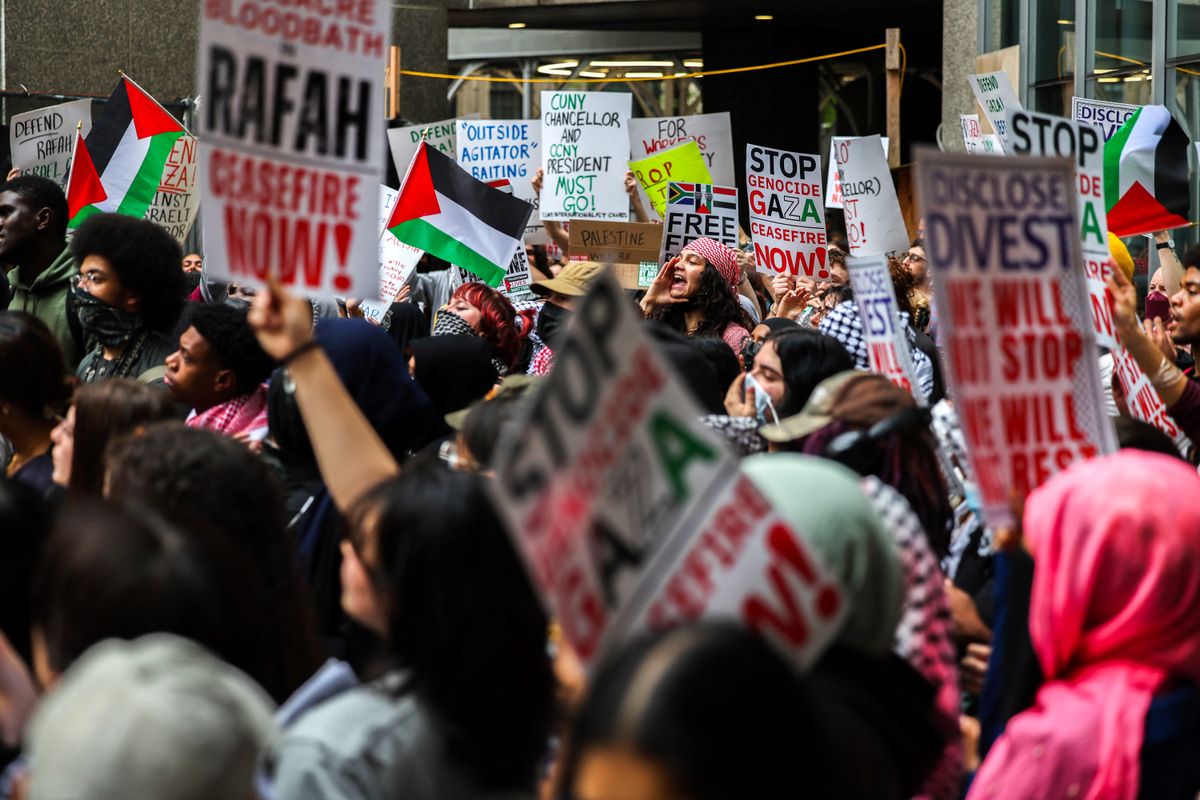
[[702, 196]]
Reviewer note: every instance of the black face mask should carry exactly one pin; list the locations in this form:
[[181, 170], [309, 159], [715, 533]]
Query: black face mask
[[552, 321], [109, 326]]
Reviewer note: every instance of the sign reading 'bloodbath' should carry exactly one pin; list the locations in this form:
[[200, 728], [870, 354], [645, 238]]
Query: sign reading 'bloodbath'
[[291, 144]]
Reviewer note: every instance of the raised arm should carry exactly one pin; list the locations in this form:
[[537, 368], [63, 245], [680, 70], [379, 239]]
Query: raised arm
[[351, 456], [1148, 343], [1172, 270]]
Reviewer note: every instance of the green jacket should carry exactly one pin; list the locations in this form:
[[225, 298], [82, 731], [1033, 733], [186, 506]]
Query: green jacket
[[46, 299]]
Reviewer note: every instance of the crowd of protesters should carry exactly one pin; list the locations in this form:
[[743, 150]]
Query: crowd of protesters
[[251, 551]]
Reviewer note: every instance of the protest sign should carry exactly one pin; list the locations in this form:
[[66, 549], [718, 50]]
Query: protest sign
[[1032, 133], [631, 247], [682, 163], [883, 334], [42, 141], [289, 166], [995, 94], [397, 260], [975, 140], [1001, 237], [874, 223], [403, 142], [509, 150], [1142, 399], [711, 133], [178, 197], [1104, 115], [585, 148], [630, 514], [695, 211], [833, 184], [787, 218]]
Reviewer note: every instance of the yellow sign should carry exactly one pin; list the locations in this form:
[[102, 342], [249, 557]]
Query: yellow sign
[[683, 163]]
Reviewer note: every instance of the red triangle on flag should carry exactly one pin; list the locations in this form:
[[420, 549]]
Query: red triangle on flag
[[149, 118], [1139, 212], [417, 197], [83, 185]]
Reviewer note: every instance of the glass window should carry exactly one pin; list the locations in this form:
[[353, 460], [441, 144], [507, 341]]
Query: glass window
[[1132, 88], [1003, 24], [1053, 98], [1123, 34], [1186, 28], [1185, 106], [1054, 49]]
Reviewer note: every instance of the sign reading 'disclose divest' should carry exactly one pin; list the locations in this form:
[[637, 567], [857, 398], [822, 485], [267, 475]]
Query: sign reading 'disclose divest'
[[833, 183], [787, 216], [874, 223], [1142, 399], [291, 145], [509, 150], [585, 150], [683, 163], [1031, 133], [630, 514], [177, 202], [696, 211], [42, 141], [994, 91], [1001, 236], [711, 133], [1107, 116], [886, 341]]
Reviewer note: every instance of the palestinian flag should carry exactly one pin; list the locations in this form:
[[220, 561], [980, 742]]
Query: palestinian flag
[[702, 196], [444, 211], [1146, 174], [119, 166]]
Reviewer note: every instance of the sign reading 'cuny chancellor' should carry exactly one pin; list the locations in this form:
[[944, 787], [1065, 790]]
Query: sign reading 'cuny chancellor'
[[585, 147], [292, 146], [1017, 333], [787, 212]]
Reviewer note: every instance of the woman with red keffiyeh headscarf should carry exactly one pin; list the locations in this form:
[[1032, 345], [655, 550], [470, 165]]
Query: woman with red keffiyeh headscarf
[[696, 294]]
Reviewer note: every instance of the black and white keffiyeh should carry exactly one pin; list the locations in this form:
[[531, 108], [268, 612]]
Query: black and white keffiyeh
[[843, 323]]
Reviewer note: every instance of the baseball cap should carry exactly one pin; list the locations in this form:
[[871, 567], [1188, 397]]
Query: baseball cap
[[857, 397], [156, 717], [575, 279], [514, 386]]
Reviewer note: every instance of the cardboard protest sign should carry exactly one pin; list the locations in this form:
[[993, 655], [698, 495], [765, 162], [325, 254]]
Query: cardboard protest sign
[[787, 218], [883, 333], [629, 513], [874, 223], [1032, 133], [833, 183], [585, 148], [975, 140], [41, 141], [711, 133], [290, 165], [696, 211], [403, 142], [1000, 235], [631, 247], [996, 96], [177, 201], [509, 150], [681, 163], [1108, 117]]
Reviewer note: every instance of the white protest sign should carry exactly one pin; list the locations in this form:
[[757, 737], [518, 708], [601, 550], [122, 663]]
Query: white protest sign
[[403, 142], [585, 150], [515, 285], [695, 211], [787, 218], [42, 141], [874, 223], [1032, 133], [1104, 115], [833, 183], [1142, 399], [397, 260], [1001, 237], [509, 150], [883, 334], [289, 167], [975, 140], [994, 91], [711, 133], [177, 201], [630, 514]]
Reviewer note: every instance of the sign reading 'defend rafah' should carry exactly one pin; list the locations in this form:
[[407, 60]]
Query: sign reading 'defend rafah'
[[1001, 235], [291, 147], [585, 148], [42, 141], [787, 215], [994, 91]]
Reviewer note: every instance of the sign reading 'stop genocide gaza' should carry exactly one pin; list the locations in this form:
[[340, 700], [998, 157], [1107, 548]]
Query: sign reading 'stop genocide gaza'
[[585, 148], [291, 144], [1001, 235], [787, 212]]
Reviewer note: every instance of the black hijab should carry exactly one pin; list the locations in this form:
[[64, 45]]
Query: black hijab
[[408, 323], [454, 370]]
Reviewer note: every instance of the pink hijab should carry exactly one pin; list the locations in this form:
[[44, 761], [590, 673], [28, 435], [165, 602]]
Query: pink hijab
[[1112, 616]]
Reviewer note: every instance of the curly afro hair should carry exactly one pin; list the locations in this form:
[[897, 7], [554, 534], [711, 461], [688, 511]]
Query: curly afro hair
[[232, 341], [145, 257]]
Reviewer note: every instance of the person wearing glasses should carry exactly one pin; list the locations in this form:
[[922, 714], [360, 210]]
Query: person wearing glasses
[[921, 296], [128, 297]]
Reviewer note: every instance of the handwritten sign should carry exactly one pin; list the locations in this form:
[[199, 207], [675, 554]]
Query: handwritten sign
[[397, 260], [833, 183], [682, 163], [504, 150], [403, 142], [1106, 116], [995, 94], [42, 141], [696, 211], [1001, 236], [289, 166], [711, 133], [887, 344], [975, 140], [176, 204], [787, 218], [874, 223], [585, 147]]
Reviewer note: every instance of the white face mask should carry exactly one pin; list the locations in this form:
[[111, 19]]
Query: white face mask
[[762, 400]]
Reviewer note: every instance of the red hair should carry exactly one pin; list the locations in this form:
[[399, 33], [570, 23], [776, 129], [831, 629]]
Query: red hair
[[499, 322]]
